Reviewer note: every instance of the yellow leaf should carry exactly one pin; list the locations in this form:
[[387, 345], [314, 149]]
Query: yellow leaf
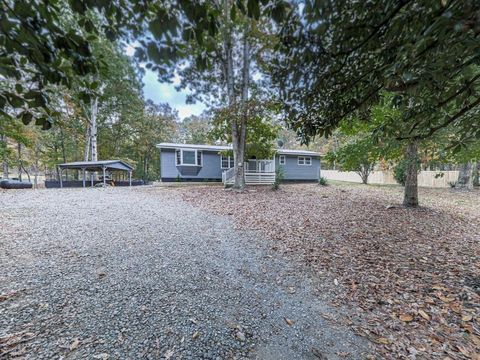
[[424, 315], [467, 318], [289, 321], [384, 341], [406, 317]]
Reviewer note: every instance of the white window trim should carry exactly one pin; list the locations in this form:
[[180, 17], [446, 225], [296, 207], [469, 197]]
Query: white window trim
[[282, 160], [181, 157], [304, 160], [230, 160]]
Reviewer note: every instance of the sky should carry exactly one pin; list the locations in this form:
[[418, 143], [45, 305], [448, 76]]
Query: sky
[[166, 93]]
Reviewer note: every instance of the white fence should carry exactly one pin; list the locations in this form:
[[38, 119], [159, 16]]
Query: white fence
[[425, 178]]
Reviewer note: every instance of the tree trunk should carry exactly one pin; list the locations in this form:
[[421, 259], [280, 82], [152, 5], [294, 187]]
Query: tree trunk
[[465, 177], [37, 155], [3, 139], [364, 173], [19, 151], [86, 154], [476, 178], [93, 129], [410, 198], [242, 125]]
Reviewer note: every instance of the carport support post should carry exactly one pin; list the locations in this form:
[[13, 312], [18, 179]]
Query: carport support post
[[130, 178], [60, 172], [83, 177], [104, 182]]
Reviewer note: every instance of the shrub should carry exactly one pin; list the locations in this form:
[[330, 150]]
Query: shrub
[[323, 181], [399, 173], [452, 184], [278, 179], [179, 179]]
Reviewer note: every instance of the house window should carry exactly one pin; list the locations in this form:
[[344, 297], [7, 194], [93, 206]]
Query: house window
[[188, 157], [227, 162], [282, 160], [304, 160], [199, 158]]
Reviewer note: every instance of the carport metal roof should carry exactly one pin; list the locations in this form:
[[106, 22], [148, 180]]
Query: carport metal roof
[[117, 165]]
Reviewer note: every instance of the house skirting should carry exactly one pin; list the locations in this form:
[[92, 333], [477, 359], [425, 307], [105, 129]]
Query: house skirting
[[186, 179]]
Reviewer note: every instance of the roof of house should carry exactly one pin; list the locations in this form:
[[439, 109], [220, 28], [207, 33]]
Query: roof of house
[[229, 147], [96, 165]]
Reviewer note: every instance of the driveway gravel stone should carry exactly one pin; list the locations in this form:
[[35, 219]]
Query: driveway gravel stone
[[138, 273]]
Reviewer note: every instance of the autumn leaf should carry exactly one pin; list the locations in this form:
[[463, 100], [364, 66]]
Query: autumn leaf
[[289, 321], [424, 315], [383, 341], [195, 335], [406, 317]]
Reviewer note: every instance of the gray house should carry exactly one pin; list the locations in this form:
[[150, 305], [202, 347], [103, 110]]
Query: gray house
[[189, 162]]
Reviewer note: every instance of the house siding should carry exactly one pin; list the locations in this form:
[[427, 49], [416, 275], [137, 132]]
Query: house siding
[[212, 171], [294, 172], [209, 171]]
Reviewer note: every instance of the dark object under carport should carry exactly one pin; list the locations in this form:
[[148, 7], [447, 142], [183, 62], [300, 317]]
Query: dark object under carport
[[93, 166], [15, 184]]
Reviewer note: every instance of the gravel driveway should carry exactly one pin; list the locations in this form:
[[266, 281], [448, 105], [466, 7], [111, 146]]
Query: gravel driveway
[[137, 273]]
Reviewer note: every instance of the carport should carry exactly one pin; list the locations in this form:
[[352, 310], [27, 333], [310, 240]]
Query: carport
[[96, 166]]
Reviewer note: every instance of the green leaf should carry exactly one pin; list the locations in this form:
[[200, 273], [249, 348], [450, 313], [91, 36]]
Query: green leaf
[[26, 117], [253, 9]]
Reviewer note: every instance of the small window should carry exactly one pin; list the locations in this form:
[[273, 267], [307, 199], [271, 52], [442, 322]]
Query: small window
[[227, 162], [179, 156], [199, 158], [282, 160], [304, 160]]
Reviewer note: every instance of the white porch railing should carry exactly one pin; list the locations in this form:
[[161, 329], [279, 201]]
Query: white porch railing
[[257, 172]]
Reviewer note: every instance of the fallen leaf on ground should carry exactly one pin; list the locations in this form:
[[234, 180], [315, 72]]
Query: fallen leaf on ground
[[74, 344], [424, 315], [406, 317], [289, 321]]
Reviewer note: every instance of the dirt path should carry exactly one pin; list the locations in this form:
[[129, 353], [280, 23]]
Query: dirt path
[[138, 273]]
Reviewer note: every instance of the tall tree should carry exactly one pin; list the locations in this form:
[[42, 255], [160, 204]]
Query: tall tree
[[338, 57], [218, 64]]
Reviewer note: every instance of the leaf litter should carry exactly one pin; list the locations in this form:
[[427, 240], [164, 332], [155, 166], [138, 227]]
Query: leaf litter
[[412, 274]]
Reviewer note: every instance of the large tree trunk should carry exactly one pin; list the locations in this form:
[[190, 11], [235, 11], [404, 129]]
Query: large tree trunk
[[243, 116], [410, 198], [93, 129], [238, 141], [476, 178], [3, 139], [465, 177]]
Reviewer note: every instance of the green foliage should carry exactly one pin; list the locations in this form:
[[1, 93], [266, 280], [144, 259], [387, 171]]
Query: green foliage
[[399, 172], [336, 59], [261, 129], [278, 178], [323, 181], [196, 129]]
